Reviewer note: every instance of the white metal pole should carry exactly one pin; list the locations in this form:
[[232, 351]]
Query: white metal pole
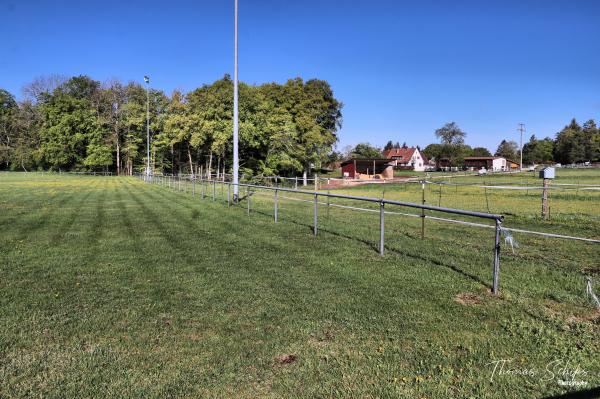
[[235, 109], [521, 129], [147, 126]]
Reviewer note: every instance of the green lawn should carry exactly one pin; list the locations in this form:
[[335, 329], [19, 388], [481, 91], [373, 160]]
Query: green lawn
[[573, 210], [111, 287]]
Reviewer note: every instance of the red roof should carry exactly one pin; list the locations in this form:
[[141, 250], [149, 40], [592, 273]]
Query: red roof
[[403, 154]]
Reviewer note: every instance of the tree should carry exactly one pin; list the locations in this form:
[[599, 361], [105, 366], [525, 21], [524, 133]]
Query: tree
[[334, 156], [433, 151], [538, 151], [366, 150], [69, 124], [508, 150], [77, 123], [388, 146], [41, 87], [481, 152], [114, 97], [570, 144], [589, 137], [453, 146], [8, 114], [25, 149], [450, 134]]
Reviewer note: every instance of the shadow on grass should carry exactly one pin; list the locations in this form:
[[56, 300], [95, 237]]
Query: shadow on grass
[[584, 394], [173, 240], [132, 233], [368, 243], [70, 221], [38, 223]]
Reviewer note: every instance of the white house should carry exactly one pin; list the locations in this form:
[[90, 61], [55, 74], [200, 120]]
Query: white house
[[406, 158], [495, 164]]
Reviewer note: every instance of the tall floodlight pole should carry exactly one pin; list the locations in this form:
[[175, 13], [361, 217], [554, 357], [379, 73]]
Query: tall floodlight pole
[[235, 108], [521, 129], [147, 80]]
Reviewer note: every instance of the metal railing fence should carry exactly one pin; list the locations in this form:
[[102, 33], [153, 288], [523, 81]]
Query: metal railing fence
[[175, 182]]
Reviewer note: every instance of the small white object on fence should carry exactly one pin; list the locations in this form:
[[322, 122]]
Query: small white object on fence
[[590, 292]]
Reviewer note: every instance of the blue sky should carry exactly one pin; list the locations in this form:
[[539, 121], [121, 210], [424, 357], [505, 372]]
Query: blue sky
[[401, 68]]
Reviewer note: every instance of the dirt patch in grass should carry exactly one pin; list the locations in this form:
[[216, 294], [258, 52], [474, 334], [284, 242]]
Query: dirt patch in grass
[[570, 313], [468, 299], [286, 359], [592, 271], [585, 318]]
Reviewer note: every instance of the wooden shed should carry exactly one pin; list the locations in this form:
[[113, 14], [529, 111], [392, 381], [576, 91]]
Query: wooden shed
[[368, 169]]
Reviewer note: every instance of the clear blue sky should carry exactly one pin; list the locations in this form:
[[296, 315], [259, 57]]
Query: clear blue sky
[[402, 68]]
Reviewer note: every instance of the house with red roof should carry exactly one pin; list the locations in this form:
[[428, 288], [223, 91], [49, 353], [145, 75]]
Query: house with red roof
[[407, 158]]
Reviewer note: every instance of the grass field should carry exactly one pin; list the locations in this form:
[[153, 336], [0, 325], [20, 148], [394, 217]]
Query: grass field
[[573, 210], [111, 287]]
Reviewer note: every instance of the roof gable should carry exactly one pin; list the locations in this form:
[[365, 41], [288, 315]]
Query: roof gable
[[401, 153]]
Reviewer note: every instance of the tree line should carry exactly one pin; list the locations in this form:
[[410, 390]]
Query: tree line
[[79, 124], [573, 144]]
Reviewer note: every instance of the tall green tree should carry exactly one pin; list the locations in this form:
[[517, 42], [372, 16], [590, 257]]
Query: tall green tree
[[570, 144], [538, 151], [366, 150], [481, 152], [450, 134], [508, 149], [70, 124], [8, 125], [453, 146]]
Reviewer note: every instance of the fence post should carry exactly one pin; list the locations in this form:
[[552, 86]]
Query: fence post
[[315, 214], [423, 210], [228, 194], [381, 227], [328, 199], [296, 184], [178, 183], [276, 205], [496, 272], [203, 188], [193, 187], [214, 188], [248, 198]]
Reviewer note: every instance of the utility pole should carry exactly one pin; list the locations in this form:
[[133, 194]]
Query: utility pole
[[235, 108], [521, 129], [147, 80]]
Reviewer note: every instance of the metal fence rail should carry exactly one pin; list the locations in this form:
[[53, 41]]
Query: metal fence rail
[[175, 182]]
